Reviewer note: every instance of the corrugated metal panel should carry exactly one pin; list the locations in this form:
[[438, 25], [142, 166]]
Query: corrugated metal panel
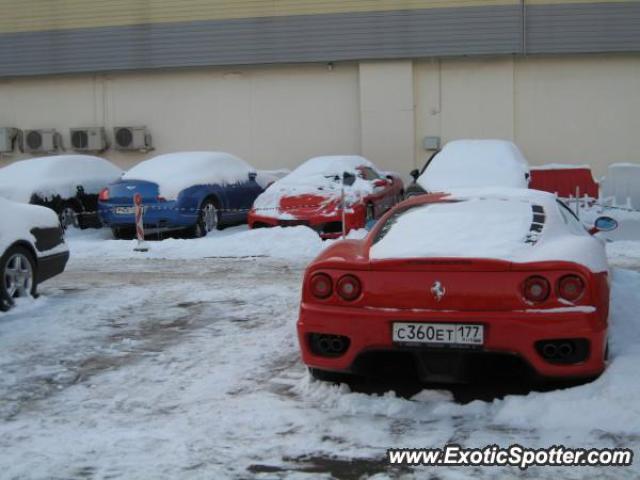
[[34, 15], [551, 28], [311, 38], [583, 27]]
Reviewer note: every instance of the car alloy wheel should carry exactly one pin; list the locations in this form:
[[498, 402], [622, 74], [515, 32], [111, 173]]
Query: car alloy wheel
[[208, 219], [68, 217], [18, 275]]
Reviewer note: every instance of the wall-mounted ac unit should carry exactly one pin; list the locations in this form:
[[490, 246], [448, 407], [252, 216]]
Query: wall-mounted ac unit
[[45, 140], [132, 138], [8, 137], [89, 139]]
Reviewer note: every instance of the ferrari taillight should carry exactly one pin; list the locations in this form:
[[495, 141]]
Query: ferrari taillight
[[321, 285], [104, 195], [570, 287], [536, 289], [349, 288]]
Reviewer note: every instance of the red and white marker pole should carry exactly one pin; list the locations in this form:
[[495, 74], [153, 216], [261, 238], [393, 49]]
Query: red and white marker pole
[[139, 210]]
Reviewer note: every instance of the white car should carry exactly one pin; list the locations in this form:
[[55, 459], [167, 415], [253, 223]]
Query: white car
[[32, 249], [68, 184], [465, 164]]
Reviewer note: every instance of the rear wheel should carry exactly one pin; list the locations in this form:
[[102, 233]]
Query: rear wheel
[[69, 216], [18, 270], [208, 219]]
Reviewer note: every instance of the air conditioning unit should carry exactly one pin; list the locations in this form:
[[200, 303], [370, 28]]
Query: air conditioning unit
[[132, 138], [8, 136], [89, 139], [41, 141]]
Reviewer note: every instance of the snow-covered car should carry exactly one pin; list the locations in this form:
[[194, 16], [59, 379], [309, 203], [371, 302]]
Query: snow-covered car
[[452, 286], [193, 191], [471, 164], [312, 195], [32, 249], [68, 184]]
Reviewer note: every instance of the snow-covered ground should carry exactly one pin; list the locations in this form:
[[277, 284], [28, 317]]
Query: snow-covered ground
[[181, 364]]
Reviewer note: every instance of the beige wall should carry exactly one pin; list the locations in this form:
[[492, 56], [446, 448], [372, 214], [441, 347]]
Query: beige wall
[[387, 114], [569, 109], [272, 117]]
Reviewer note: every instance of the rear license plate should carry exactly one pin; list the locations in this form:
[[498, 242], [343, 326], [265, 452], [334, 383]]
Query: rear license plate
[[125, 210], [438, 333]]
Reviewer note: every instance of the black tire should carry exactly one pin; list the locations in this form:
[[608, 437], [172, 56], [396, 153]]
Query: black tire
[[206, 225], [331, 377], [7, 261]]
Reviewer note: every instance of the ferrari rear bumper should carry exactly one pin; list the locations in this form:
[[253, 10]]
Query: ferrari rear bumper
[[367, 335]]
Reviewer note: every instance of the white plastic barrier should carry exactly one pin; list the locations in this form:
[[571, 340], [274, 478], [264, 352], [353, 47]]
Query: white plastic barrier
[[621, 187]]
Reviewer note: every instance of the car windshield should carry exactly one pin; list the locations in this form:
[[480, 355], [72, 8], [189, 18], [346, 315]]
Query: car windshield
[[487, 227]]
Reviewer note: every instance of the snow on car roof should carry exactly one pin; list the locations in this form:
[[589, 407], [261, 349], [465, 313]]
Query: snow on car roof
[[173, 172], [474, 164], [56, 175], [17, 220], [515, 225], [329, 165]]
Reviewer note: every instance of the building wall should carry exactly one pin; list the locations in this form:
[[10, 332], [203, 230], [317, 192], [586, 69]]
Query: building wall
[[44, 37], [563, 109], [568, 109], [271, 116]]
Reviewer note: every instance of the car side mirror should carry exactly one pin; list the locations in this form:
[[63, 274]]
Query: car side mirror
[[390, 178], [415, 173], [604, 224], [253, 176]]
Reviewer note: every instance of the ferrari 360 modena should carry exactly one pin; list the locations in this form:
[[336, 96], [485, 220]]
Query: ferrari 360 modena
[[453, 286], [316, 195]]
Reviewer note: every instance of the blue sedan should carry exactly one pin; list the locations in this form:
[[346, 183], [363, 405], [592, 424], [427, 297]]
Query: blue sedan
[[193, 191]]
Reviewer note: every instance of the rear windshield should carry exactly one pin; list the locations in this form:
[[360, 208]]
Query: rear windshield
[[468, 228]]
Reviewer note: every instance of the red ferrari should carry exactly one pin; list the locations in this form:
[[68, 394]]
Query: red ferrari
[[313, 194], [450, 286]]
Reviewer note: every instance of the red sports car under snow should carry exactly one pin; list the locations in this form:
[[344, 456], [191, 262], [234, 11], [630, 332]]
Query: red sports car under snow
[[312, 195], [446, 286]]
